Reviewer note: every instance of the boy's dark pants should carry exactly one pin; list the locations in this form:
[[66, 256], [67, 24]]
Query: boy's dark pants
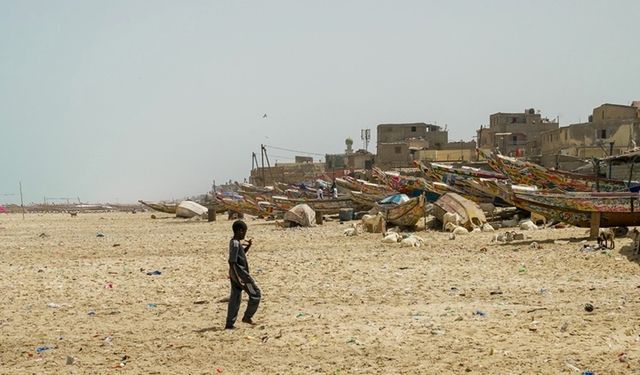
[[253, 291]]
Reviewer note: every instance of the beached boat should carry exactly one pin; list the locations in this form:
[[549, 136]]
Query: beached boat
[[247, 205], [471, 214], [352, 184], [364, 199], [608, 209], [189, 209], [404, 214], [326, 206], [410, 185], [439, 171], [168, 208], [527, 173]]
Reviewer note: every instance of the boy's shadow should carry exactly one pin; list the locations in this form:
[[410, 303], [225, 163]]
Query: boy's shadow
[[208, 329]]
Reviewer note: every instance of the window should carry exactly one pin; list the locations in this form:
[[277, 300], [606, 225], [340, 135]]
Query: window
[[514, 139], [413, 129], [602, 133], [397, 149]]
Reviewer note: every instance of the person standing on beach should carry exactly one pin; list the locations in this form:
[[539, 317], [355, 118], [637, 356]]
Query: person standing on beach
[[334, 190], [240, 277]]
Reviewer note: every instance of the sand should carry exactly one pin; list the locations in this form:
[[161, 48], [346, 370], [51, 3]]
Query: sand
[[331, 304]]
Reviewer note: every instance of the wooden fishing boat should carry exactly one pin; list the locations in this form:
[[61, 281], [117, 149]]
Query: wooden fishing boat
[[459, 182], [583, 209], [352, 184], [410, 185], [527, 173], [189, 209], [365, 200], [471, 214], [326, 206], [168, 208], [405, 214], [247, 206], [439, 171]]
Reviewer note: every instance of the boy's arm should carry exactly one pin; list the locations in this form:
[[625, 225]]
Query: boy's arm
[[249, 243]]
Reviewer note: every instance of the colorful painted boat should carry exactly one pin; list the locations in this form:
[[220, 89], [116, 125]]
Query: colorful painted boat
[[248, 206], [527, 173], [577, 208], [364, 199], [405, 214], [410, 185], [326, 206], [471, 214], [352, 184]]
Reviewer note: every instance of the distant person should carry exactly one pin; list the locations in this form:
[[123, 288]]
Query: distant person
[[240, 277], [334, 190], [319, 193]]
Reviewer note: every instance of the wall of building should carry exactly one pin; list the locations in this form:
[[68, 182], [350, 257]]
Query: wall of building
[[614, 112], [387, 133], [392, 155], [447, 155]]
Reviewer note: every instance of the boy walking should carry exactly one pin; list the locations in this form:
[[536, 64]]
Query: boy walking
[[240, 277]]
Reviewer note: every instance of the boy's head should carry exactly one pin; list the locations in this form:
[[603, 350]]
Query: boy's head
[[239, 229]]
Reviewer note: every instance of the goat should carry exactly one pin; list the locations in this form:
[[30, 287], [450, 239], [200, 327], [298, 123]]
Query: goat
[[455, 229], [374, 223], [607, 235], [528, 225], [411, 241], [450, 217]]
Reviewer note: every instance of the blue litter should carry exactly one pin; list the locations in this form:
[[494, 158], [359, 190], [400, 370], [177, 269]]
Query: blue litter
[[43, 348], [152, 305], [479, 313]]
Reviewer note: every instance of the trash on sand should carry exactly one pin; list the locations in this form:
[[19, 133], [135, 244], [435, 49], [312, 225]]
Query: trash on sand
[[300, 315], [70, 360], [99, 234], [154, 273], [42, 348], [152, 305], [522, 269], [588, 307], [53, 305], [91, 313], [108, 285], [479, 313]]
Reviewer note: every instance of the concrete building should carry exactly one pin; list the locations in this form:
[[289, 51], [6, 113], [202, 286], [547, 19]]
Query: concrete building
[[612, 129], [510, 132], [397, 144]]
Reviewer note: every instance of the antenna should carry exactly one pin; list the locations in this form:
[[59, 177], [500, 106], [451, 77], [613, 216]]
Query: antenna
[[365, 135]]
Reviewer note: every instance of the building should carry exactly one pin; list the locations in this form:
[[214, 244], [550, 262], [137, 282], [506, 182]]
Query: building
[[612, 129], [397, 144], [510, 132]]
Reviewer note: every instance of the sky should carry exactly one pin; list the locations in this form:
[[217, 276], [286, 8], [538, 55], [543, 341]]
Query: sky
[[120, 100]]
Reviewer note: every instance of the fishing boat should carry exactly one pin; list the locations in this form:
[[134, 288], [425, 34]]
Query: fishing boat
[[168, 208], [189, 209], [527, 173], [471, 214], [247, 206], [406, 213], [364, 199], [326, 206], [352, 184], [410, 185], [582, 209]]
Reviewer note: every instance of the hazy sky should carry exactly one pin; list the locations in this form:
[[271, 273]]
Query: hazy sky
[[125, 100]]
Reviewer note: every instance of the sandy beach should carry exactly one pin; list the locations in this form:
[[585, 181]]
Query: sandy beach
[[331, 304]]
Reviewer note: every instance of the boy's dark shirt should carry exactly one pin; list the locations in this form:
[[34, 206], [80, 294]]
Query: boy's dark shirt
[[238, 264]]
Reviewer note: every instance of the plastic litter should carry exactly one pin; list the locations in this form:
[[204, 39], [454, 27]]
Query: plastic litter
[[43, 348], [154, 273], [99, 234], [53, 305], [480, 313], [588, 307], [70, 360], [299, 315], [522, 269], [91, 313], [152, 305]]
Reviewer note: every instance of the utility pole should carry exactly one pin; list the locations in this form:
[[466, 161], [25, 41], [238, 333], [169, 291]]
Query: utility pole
[[21, 201]]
